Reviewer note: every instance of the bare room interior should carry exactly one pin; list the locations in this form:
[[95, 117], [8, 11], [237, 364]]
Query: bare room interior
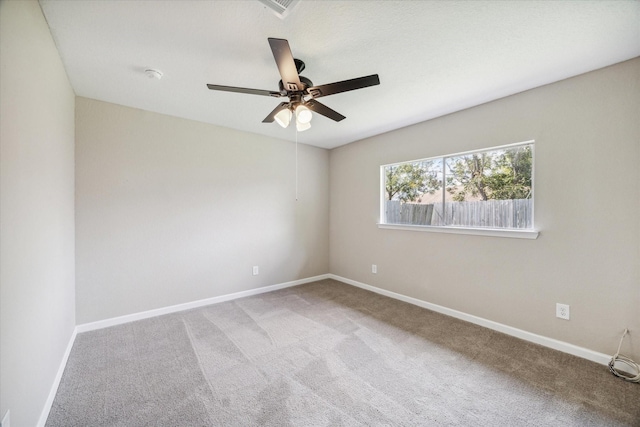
[[260, 212]]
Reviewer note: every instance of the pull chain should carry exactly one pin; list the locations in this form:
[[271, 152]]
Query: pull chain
[[296, 164]]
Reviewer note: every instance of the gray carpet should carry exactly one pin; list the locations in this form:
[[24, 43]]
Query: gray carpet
[[328, 354]]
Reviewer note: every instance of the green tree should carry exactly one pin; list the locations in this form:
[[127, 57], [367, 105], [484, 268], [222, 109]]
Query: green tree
[[408, 181], [511, 175], [468, 176], [500, 175]]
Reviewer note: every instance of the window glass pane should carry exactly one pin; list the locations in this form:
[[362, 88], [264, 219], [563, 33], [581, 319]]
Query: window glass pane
[[412, 191], [490, 189]]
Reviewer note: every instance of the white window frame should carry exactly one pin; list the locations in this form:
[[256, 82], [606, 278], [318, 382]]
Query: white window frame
[[519, 233]]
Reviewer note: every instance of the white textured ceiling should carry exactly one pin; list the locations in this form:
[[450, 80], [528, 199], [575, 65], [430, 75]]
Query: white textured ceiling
[[433, 57]]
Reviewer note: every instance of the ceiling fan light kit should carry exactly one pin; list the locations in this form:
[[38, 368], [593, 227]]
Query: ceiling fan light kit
[[300, 90], [301, 127], [283, 118], [303, 118], [303, 114]]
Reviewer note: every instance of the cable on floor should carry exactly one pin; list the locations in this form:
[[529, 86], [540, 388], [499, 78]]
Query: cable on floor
[[619, 358]]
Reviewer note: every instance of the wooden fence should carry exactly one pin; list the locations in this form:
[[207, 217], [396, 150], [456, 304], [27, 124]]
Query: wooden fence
[[516, 213]]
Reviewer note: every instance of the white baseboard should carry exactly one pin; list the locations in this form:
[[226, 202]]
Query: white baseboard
[[562, 346], [100, 324], [152, 313], [56, 382]]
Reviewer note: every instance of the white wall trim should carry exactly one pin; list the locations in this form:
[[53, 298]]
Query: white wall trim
[[100, 324], [56, 382], [562, 346], [153, 313], [491, 232]]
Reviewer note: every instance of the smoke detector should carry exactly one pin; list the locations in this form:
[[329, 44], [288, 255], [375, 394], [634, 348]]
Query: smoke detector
[[280, 7], [153, 74]]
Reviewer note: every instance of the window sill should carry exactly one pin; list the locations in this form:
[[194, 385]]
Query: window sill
[[492, 232]]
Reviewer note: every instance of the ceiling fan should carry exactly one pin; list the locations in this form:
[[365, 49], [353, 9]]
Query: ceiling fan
[[300, 90]]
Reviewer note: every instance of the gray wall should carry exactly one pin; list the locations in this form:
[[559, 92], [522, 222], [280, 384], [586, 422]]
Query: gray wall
[[170, 211], [36, 211], [587, 208]]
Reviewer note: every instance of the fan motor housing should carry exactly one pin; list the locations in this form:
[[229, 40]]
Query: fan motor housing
[[305, 82]]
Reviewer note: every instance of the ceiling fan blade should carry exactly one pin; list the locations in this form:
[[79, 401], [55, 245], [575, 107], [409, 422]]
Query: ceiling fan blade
[[343, 86], [272, 115], [286, 64], [245, 90], [319, 108]]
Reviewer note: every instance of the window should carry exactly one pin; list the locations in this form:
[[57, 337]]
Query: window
[[488, 189]]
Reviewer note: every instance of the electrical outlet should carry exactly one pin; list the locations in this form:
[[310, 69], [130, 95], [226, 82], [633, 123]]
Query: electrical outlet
[[374, 269], [256, 270], [562, 311]]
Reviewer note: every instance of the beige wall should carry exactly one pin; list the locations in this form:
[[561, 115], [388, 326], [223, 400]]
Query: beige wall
[[37, 308], [587, 204], [170, 211]]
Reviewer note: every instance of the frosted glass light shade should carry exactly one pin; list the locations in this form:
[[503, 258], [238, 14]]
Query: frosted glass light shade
[[303, 114], [301, 127], [283, 118]]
